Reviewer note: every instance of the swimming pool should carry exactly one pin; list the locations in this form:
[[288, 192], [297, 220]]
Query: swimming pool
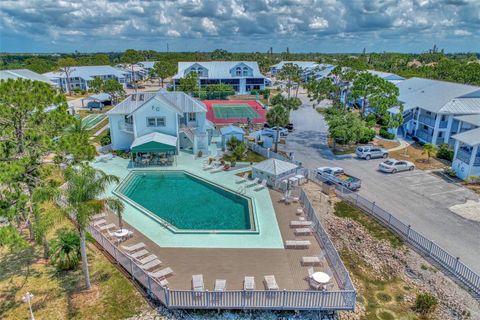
[[185, 203]]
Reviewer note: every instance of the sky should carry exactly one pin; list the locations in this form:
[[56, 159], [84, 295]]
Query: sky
[[239, 26]]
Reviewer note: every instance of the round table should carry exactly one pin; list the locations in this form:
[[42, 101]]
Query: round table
[[321, 277], [121, 233]]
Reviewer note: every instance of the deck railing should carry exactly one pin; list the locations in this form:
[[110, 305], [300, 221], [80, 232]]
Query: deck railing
[[343, 299], [268, 153]]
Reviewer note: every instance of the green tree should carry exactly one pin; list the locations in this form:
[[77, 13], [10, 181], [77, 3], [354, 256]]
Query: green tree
[[101, 59], [319, 90], [65, 250], [163, 69], [232, 143], [291, 73], [189, 83], [345, 127], [131, 57], [39, 65], [85, 185], [96, 84], [277, 117], [114, 89], [240, 151], [429, 149], [76, 143], [65, 65], [379, 93]]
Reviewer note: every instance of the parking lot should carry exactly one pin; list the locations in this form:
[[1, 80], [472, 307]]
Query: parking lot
[[418, 198]]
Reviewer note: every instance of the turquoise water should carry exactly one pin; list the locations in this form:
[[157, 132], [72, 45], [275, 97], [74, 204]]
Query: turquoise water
[[186, 202]]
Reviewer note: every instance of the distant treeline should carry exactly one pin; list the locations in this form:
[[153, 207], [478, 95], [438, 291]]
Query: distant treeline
[[434, 64]]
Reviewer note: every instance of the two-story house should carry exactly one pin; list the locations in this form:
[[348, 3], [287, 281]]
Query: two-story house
[[466, 161], [172, 120], [431, 108], [80, 77], [243, 76]]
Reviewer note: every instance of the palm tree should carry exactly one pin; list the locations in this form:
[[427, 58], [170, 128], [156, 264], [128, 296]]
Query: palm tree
[[118, 207], [85, 185], [277, 117], [65, 250], [429, 149]]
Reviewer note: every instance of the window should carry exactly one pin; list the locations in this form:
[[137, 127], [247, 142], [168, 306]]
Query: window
[[245, 71], [192, 116], [156, 122], [238, 71], [440, 134]]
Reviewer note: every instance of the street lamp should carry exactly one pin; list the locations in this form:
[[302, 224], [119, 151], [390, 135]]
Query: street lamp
[[27, 297]]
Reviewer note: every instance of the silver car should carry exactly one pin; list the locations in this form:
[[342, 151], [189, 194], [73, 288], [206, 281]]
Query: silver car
[[393, 166], [370, 152]]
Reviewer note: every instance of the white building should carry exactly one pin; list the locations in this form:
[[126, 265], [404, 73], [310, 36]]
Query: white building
[[466, 161], [80, 77], [431, 108], [147, 65], [175, 116], [243, 76], [305, 65], [390, 77], [24, 74]]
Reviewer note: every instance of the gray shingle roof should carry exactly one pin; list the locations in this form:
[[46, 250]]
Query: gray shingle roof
[[470, 137], [219, 69], [180, 101], [24, 74], [437, 96]]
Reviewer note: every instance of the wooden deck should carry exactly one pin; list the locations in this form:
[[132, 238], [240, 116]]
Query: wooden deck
[[234, 264]]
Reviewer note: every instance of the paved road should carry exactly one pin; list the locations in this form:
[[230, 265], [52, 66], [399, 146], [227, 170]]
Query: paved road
[[417, 198]]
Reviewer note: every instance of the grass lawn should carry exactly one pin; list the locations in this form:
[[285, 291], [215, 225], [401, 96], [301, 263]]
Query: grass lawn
[[251, 157], [414, 154], [376, 230], [387, 144]]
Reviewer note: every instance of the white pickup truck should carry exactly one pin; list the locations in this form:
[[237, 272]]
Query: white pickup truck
[[339, 177]]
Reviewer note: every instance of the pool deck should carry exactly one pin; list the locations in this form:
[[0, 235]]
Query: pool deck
[[234, 264]]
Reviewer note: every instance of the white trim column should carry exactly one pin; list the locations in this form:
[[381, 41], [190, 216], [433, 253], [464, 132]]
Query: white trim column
[[448, 132], [438, 117]]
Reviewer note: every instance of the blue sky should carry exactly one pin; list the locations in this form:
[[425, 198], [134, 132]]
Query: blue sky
[[235, 25]]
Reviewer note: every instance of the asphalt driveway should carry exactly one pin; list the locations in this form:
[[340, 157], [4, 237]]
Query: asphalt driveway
[[416, 197]]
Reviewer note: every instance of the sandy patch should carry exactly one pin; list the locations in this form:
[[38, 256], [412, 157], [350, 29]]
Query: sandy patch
[[468, 210]]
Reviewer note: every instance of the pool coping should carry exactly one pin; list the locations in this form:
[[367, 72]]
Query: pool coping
[[254, 230]]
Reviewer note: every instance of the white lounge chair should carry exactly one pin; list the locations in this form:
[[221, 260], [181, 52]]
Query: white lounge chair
[[161, 274], [147, 259], [134, 247], [244, 178], [150, 265], [249, 283], [311, 271], [253, 182], [220, 285], [297, 224], [261, 185], [99, 216], [297, 244], [208, 166], [108, 226], [311, 261], [299, 211], [138, 254], [303, 232], [217, 169], [271, 283], [99, 222], [197, 282]]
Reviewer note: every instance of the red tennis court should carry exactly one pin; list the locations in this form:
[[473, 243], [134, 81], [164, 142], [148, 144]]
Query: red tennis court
[[234, 111]]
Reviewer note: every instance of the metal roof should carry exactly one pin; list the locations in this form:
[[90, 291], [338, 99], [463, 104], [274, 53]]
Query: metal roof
[[437, 96], [180, 101], [470, 137], [274, 166], [231, 129], [88, 72], [386, 75], [99, 97], [147, 64], [24, 74], [219, 69], [301, 64], [471, 119]]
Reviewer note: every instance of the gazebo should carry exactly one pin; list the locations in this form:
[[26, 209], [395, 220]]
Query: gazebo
[[231, 131], [154, 149], [273, 170]]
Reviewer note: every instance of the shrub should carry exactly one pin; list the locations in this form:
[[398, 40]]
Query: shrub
[[449, 172], [425, 303], [473, 179], [106, 140], [445, 152], [367, 135], [65, 250], [371, 120], [385, 134]]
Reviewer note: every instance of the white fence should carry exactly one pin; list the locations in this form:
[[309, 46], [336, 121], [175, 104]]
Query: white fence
[[267, 153]]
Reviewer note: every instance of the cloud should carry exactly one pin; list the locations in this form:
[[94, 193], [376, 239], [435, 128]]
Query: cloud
[[239, 25]]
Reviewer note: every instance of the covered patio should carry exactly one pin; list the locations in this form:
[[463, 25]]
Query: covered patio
[[154, 149]]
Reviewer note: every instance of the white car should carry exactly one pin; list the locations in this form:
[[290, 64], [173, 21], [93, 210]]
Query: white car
[[393, 166]]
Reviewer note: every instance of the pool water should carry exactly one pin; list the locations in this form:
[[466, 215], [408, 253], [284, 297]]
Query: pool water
[[187, 202]]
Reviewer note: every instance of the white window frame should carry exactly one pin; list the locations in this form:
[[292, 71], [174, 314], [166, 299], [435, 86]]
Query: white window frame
[[159, 122]]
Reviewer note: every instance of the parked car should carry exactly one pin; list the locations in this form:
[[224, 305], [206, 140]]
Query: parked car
[[94, 105], [289, 127], [282, 131], [370, 152], [338, 176], [393, 166]]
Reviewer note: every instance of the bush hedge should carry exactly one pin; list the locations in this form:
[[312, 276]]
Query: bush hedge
[[385, 134], [445, 152]]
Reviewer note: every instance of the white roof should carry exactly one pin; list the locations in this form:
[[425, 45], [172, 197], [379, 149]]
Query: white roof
[[24, 74], [301, 64], [155, 137], [219, 69], [386, 75], [147, 64], [88, 72], [471, 119], [439, 96], [179, 101], [470, 137], [274, 166]]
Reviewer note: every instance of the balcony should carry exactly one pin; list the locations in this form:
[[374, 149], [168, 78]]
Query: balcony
[[125, 126], [443, 124], [465, 156], [427, 120], [424, 135]]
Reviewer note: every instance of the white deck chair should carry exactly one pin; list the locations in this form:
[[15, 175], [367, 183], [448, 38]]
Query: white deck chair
[[299, 224], [152, 264], [249, 283], [311, 261], [197, 282], [253, 182], [303, 232], [134, 247], [108, 226], [138, 254], [244, 178], [262, 185], [147, 259], [271, 283], [297, 244], [99, 216], [220, 285], [162, 273], [99, 222]]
